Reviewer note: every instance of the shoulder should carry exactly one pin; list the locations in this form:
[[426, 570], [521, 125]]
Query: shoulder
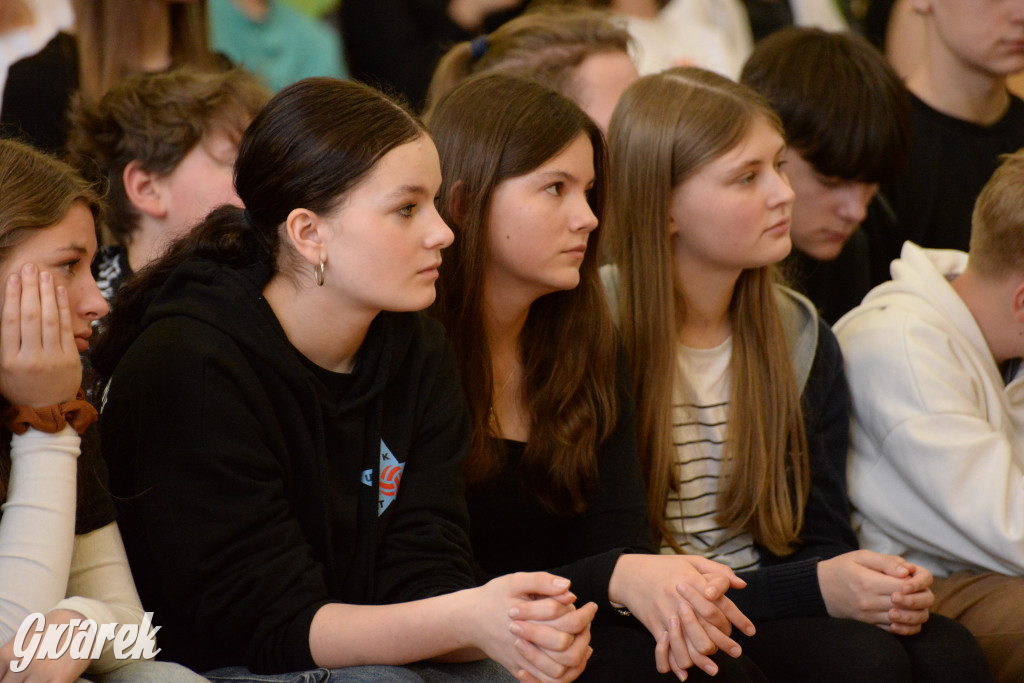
[[805, 332]]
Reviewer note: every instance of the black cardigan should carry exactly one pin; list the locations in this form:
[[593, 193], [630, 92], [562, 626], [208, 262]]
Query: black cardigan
[[239, 518], [787, 586]]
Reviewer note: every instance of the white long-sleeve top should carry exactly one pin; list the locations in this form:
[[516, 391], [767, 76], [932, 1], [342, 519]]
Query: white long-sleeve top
[[936, 469], [43, 565]]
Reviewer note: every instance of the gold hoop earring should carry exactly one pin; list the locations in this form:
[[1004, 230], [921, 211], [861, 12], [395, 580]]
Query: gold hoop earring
[[318, 274]]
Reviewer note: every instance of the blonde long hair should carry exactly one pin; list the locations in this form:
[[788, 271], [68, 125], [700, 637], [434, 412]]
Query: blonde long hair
[[665, 129]]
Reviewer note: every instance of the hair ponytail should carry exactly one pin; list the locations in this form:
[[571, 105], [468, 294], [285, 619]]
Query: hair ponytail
[[455, 66], [312, 143], [545, 45]]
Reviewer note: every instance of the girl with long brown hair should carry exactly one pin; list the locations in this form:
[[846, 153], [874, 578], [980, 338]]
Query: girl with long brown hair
[[742, 406], [286, 434], [553, 476]]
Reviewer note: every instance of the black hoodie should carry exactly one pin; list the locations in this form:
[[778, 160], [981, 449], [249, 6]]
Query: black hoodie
[[244, 507]]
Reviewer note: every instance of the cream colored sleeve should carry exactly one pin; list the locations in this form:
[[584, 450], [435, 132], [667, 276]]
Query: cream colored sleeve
[[101, 588], [37, 528]]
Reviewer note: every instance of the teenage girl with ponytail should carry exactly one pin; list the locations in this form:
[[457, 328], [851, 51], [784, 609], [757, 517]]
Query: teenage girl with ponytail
[[286, 435]]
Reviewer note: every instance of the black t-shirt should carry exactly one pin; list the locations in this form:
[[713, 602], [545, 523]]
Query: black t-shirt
[[950, 161], [38, 93], [833, 286]]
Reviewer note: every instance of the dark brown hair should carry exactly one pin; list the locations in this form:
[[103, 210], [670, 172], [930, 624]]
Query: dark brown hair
[[491, 128], [665, 129], [842, 106], [156, 119], [111, 34], [312, 143], [36, 191], [546, 45]]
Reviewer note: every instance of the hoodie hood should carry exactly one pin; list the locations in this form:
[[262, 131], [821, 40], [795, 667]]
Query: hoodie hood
[[231, 300], [921, 284]]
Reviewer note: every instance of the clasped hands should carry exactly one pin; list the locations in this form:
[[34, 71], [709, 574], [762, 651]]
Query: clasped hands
[[681, 600]]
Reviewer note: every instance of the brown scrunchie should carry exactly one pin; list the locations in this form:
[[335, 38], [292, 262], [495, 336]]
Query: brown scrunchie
[[77, 412]]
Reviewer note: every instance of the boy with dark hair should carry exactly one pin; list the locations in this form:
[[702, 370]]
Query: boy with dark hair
[[936, 470], [963, 114], [164, 145], [847, 122]]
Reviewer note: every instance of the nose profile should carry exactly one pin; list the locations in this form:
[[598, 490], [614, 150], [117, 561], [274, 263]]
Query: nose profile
[[853, 204], [440, 235], [92, 305], [584, 219]]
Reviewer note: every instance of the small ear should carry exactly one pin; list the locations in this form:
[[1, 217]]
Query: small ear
[[1018, 303], [144, 190], [304, 230], [672, 227], [458, 203]]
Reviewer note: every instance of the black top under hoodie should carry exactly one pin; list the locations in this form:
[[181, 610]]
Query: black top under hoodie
[[243, 507]]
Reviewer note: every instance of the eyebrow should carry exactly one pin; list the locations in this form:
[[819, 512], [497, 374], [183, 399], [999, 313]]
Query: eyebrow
[[76, 248], [407, 190], [751, 163], [562, 175]]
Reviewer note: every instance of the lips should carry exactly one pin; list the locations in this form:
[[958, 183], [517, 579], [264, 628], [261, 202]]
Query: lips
[[431, 270], [781, 226], [578, 249], [82, 340]]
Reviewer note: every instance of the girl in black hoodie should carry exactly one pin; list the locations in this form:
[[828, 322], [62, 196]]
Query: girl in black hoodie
[[285, 435]]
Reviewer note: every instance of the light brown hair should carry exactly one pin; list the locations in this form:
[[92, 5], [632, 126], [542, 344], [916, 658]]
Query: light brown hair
[[546, 45], [997, 225], [156, 119], [666, 128], [488, 129], [36, 192], [111, 34]]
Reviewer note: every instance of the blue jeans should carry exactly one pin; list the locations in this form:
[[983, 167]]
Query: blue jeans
[[485, 671], [148, 672]]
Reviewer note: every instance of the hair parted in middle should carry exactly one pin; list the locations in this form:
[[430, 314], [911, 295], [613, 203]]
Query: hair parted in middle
[[156, 119], [665, 129], [491, 128]]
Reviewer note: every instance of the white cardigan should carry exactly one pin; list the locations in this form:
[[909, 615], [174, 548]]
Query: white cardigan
[[43, 565], [936, 470]]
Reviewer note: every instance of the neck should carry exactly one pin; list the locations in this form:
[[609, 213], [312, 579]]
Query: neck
[[947, 84], [505, 311], [323, 331], [707, 299], [155, 49], [146, 245], [503, 317], [987, 300]]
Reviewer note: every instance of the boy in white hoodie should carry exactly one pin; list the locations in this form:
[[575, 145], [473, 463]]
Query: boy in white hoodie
[[936, 469]]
